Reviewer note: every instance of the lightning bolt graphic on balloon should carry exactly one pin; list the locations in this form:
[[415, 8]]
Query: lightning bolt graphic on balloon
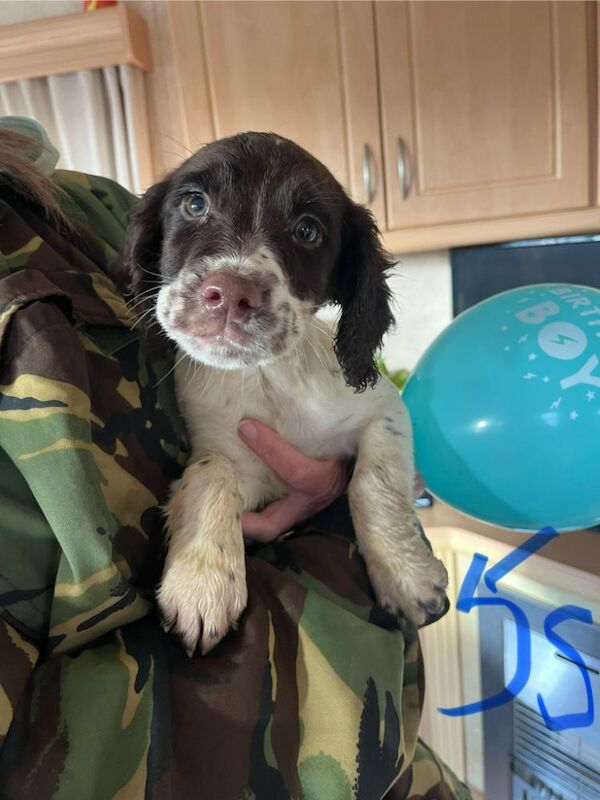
[[561, 339]]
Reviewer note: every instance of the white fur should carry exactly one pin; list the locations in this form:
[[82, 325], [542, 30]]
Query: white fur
[[303, 396]]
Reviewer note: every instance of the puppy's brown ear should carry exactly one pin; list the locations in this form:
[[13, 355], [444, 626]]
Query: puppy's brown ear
[[138, 265], [361, 290]]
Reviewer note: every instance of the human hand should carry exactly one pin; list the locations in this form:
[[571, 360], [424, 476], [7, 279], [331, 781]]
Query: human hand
[[313, 483]]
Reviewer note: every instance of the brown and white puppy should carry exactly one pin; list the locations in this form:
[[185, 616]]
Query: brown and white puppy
[[233, 253]]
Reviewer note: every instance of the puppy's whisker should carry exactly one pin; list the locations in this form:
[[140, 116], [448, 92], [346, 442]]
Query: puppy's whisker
[[140, 299], [148, 328], [140, 319], [306, 364], [142, 315], [190, 368], [174, 367], [142, 302], [195, 367], [148, 271], [147, 291], [315, 351], [141, 310], [133, 308], [152, 288], [149, 325], [187, 372]]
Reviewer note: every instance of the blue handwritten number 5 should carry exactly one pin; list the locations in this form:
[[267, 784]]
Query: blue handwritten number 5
[[466, 601]]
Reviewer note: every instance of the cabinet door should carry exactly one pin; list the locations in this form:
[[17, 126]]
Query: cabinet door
[[484, 109], [305, 70]]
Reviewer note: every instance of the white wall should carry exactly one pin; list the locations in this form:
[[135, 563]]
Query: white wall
[[422, 288]]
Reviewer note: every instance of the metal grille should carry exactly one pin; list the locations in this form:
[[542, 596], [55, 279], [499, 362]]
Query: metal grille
[[558, 759]]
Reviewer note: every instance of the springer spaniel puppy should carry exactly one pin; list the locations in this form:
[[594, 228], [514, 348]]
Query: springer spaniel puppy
[[233, 253]]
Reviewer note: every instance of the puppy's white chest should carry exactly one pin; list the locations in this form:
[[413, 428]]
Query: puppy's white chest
[[311, 417], [317, 414], [318, 423]]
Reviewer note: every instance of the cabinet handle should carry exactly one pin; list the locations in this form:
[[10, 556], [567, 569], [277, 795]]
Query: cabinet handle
[[403, 167], [369, 174]]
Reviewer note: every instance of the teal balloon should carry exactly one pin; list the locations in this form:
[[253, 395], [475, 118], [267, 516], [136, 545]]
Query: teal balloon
[[505, 406]]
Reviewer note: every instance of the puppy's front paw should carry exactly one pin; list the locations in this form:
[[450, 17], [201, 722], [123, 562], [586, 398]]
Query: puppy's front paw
[[202, 596], [410, 579]]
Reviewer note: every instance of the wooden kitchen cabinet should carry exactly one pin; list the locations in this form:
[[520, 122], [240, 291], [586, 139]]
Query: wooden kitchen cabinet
[[304, 70], [458, 123], [484, 108]]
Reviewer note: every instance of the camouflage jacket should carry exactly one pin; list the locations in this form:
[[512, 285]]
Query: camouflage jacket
[[317, 695]]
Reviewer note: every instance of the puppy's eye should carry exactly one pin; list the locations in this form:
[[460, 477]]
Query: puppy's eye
[[195, 205], [307, 231]]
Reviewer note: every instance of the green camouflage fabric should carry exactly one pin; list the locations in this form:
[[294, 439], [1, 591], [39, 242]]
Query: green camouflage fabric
[[317, 695]]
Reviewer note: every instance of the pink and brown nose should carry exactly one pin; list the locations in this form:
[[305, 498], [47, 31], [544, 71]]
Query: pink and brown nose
[[230, 296]]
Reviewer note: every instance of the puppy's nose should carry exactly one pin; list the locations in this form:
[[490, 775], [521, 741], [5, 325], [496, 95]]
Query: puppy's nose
[[230, 296]]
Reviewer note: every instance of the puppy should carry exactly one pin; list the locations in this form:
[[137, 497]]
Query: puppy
[[233, 253]]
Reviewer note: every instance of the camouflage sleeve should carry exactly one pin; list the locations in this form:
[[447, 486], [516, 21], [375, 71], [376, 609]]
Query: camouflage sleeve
[[317, 694]]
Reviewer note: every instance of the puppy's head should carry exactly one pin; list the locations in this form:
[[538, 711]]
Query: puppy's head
[[238, 247]]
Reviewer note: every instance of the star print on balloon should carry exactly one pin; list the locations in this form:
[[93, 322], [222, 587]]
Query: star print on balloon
[[562, 340], [506, 412]]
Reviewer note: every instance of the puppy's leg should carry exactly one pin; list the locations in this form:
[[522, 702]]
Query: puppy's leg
[[404, 573], [203, 590]]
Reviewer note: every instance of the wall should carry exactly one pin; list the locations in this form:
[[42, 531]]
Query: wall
[[422, 287]]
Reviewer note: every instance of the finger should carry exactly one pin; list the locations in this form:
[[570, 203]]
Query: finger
[[280, 517], [294, 468]]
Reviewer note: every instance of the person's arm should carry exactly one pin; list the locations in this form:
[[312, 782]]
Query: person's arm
[[313, 483]]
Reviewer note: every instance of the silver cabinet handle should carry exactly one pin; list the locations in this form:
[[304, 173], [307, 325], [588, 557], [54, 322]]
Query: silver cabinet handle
[[403, 167], [369, 174]]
